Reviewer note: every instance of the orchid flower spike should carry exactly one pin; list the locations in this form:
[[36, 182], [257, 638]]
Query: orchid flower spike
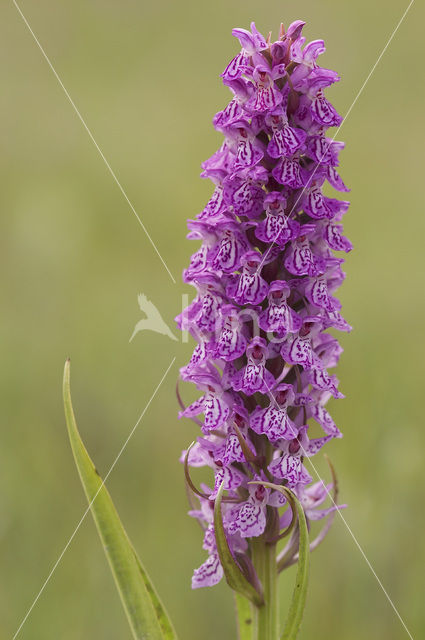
[[265, 277]]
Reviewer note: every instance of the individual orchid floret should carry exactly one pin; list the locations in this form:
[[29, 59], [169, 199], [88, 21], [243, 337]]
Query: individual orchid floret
[[299, 349], [299, 259], [279, 317], [249, 518], [231, 343], [274, 421], [243, 191], [289, 172], [266, 96], [285, 140], [215, 404], [254, 377], [313, 497], [277, 227], [243, 143], [230, 249], [249, 287], [250, 42]]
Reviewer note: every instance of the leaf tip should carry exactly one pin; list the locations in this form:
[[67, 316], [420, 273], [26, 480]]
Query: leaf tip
[[66, 375]]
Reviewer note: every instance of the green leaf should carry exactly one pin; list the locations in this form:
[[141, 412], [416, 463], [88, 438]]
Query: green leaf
[[245, 618], [232, 572], [145, 612], [299, 595]]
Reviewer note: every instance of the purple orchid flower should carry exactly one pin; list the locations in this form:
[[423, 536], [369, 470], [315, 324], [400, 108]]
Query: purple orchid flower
[[265, 279]]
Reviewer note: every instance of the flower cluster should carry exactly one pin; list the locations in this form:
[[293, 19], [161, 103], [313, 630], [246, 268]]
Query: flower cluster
[[265, 275]]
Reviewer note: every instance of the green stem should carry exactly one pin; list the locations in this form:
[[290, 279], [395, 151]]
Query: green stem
[[267, 616]]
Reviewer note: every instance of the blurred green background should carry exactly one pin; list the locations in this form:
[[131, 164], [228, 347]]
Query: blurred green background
[[145, 76]]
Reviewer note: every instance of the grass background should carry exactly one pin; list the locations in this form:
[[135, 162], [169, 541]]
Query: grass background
[[73, 258]]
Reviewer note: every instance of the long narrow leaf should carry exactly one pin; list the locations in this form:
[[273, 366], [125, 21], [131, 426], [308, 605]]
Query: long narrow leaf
[[146, 615], [245, 619], [233, 574], [299, 595]]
